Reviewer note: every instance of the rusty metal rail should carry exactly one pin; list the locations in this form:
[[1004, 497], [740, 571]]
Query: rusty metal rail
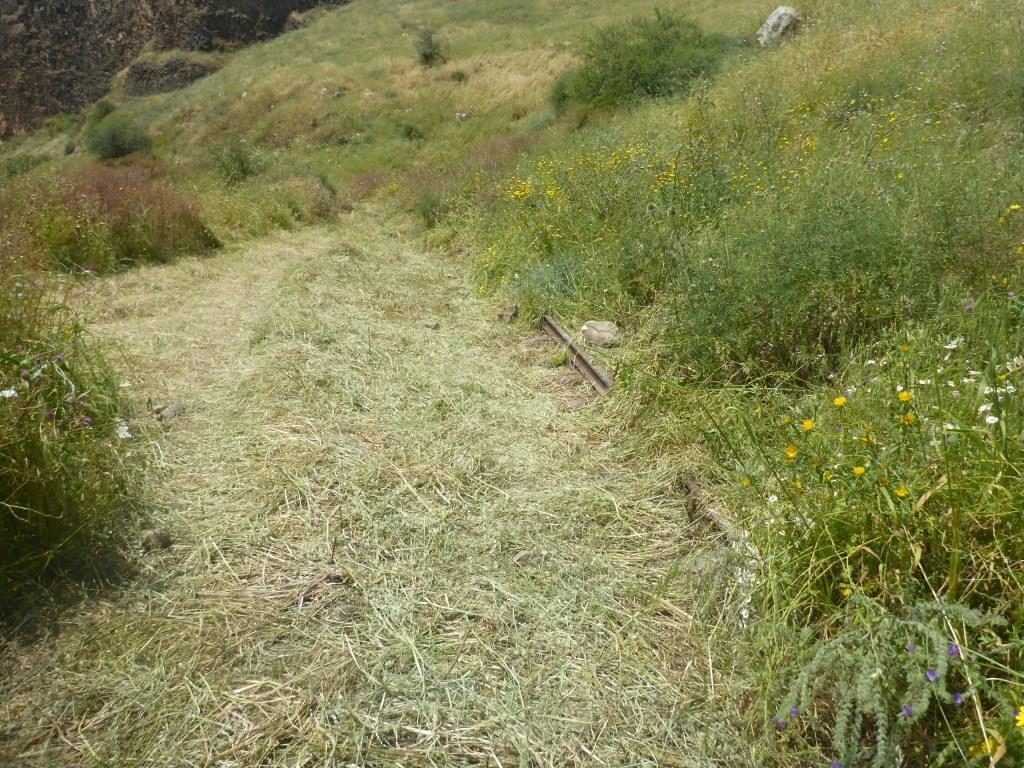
[[577, 359]]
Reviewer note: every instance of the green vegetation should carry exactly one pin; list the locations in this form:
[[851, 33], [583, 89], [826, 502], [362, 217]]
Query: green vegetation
[[116, 135], [429, 50], [103, 219], [236, 162], [639, 59], [820, 252], [816, 250], [66, 480]]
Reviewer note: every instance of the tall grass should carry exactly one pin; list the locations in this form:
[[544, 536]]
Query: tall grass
[[104, 218], [819, 254], [66, 481]]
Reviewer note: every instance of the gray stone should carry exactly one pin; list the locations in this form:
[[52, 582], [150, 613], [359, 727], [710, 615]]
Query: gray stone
[[782, 20], [168, 412], [601, 333], [154, 539]]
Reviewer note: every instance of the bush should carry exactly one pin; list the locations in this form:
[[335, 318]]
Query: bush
[[429, 50], [237, 162], [115, 135], [66, 478], [642, 58]]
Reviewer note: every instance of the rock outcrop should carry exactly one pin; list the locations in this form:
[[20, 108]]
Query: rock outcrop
[[781, 21], [60, 56], [147, 77]]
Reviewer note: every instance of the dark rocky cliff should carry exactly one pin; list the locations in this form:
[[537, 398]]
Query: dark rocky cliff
[[60, 55]]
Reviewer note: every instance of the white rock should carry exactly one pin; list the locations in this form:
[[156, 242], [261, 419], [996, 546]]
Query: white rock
[[601, 333], [782, 20]]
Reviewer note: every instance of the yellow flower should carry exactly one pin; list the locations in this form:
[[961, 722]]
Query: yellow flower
[[908, 418], [798, 484], [904, 348], [902, 491], [859, 471], [807, 425], [839, 402], [791, 451], [906, 396], [1020, 717], [1014, 207], [745, 482], [846, 591], [826, 476], [986, 747]]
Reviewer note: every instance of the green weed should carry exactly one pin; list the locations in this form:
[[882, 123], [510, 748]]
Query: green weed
[[66, 474]]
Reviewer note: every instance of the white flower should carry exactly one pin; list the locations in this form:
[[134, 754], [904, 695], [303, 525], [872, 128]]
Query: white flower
[[953, 344], [871, 362], [924, 382], [772, 499], [949, 425], [984, 408], [990, 419], [899, 387], [8, 393], [123, 432]]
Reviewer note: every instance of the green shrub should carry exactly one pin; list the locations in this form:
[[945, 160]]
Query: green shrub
[[642, 58], [429, 50], [66, 478], [116, 135], [411, 132], [431, 207], [99, 111], [237, 162]]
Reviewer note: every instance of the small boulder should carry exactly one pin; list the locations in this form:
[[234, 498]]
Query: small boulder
[[782, 20], [601, 333], [168, 412], [154, 539], [509, 313]]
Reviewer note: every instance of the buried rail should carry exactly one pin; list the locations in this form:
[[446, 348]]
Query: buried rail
[[577, 359]]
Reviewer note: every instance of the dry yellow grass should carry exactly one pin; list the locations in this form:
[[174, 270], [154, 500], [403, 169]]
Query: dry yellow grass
[[394, 545]]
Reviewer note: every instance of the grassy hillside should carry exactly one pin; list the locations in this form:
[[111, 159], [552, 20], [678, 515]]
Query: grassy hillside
[[819, 258], [344, 106], [815, 252]]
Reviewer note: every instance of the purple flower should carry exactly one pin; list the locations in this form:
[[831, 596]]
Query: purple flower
[[794, 711], [835, 764], [911, 647], [58, 358], [908, 711], [932, 674], [781, 724], [954, 651], [51, 415], [958, 698], [87, 421]]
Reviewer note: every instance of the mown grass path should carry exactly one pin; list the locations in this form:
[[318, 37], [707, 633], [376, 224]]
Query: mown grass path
[[394, 545]]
